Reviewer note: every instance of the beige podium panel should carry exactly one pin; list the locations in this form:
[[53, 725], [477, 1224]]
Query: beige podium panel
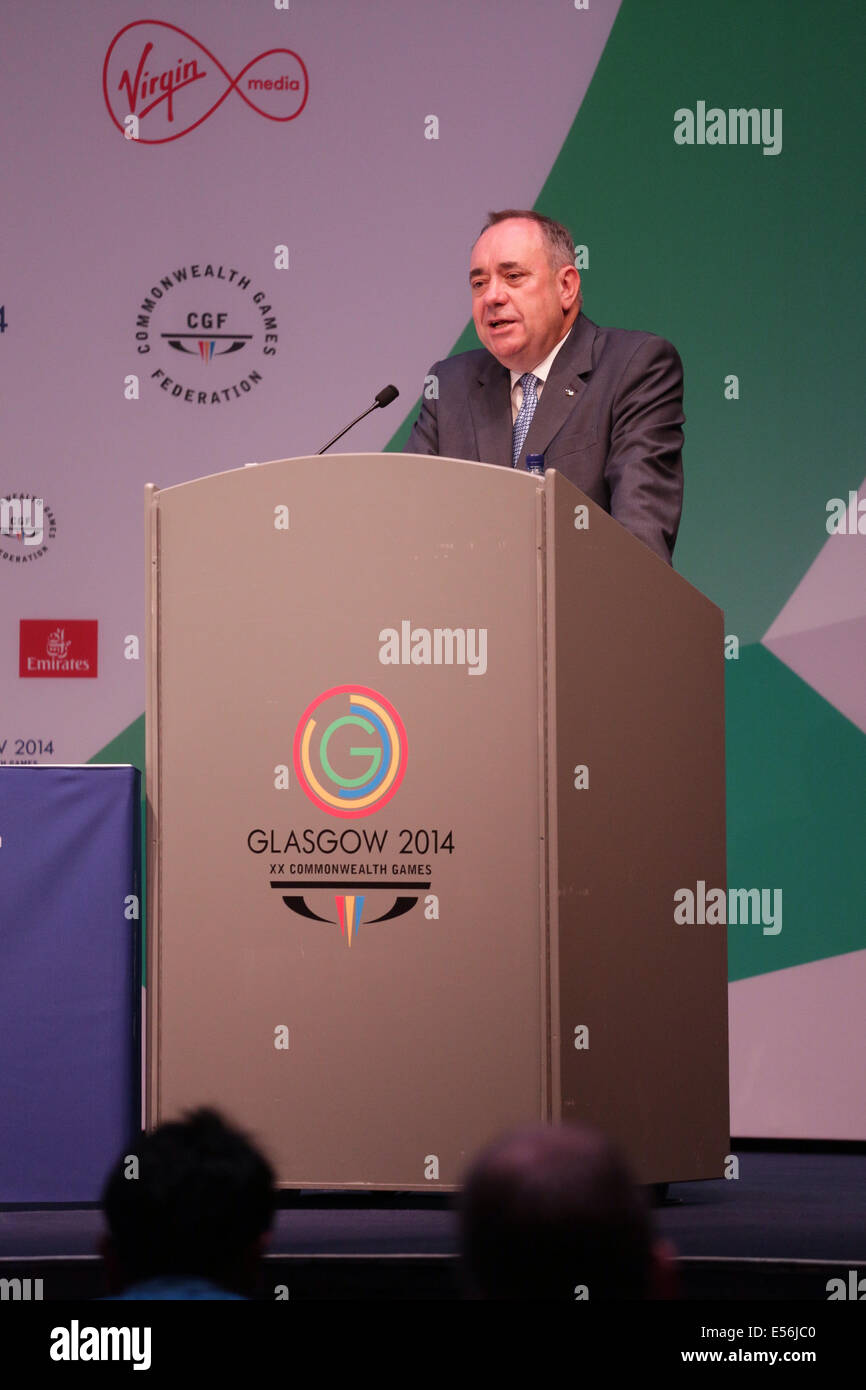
[[636, 702], [379, 908]]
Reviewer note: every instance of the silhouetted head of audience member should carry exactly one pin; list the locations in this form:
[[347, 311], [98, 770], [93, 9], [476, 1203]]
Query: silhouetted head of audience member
[[195, 1200], [552, 1213]]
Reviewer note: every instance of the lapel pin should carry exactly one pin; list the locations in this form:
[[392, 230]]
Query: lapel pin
[[568, 391]]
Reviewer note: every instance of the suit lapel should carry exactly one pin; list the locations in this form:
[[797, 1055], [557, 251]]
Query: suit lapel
[[572, 362], [490, 407]]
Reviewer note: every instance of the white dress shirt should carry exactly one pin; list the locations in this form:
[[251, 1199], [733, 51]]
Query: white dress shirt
[[541, 371]]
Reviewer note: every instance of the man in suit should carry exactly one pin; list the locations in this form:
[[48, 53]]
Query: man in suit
[[603, 405]]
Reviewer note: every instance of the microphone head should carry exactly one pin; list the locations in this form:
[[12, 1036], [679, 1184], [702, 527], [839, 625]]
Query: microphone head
[[386, 395]]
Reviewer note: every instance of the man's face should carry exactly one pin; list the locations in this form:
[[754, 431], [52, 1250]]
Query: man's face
[[521, 307]]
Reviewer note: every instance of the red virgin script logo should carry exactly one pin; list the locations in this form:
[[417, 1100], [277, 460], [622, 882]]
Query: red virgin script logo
[[171, 83], [58, 647]]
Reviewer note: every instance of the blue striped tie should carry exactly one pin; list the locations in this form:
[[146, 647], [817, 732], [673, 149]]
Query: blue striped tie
[[524, 415]]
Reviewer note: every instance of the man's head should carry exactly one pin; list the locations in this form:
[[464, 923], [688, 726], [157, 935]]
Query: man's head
[[525, 287], [199, 1201], [548, 1211]]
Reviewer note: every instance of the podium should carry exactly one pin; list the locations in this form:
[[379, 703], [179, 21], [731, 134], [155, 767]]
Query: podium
[[431, 747]]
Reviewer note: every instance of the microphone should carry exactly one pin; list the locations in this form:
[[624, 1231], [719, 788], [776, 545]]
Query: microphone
[[382, 398]]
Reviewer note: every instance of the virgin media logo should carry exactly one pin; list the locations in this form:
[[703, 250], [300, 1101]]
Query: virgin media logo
[[160, 83]]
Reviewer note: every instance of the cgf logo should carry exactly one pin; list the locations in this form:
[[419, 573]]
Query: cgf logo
[[206, 338]]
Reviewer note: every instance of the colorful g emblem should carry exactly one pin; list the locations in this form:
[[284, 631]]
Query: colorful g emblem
[[342, 776]]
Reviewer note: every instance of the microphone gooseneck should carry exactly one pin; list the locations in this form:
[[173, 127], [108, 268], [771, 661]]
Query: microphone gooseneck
[[382, 398]]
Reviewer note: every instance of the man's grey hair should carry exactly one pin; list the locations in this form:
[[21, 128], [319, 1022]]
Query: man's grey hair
[[557, 238]]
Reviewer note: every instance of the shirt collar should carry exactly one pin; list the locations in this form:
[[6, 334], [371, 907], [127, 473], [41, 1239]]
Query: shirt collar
[[543, 369]]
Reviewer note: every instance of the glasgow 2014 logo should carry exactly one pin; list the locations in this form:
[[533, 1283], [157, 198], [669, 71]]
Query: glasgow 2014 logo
[[341, 776]]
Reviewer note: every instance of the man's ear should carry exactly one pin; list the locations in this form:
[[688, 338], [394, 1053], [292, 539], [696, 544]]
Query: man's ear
[[111, 1264], [262, 1243], [255, 1252], [251, 1271], [664, 1280], [569, 286]]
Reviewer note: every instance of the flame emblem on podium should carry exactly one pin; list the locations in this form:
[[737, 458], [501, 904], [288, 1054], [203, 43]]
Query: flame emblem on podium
[[350, 906], [349, 909]]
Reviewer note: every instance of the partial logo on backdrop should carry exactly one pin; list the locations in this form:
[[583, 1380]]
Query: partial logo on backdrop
[[169, 82], [58, 647], [350, 752], [206, 331], [27, 526], [25, 752]]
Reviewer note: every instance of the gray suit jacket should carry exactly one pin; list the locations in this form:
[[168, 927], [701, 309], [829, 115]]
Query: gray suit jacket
[[609, 419]]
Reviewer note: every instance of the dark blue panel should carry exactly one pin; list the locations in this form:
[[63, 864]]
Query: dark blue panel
[[69, 978]]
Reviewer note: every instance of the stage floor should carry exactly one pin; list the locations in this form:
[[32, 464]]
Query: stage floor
[[796, 1209]]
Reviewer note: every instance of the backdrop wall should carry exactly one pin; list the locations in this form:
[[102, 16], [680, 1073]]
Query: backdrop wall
[[289, 231]]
